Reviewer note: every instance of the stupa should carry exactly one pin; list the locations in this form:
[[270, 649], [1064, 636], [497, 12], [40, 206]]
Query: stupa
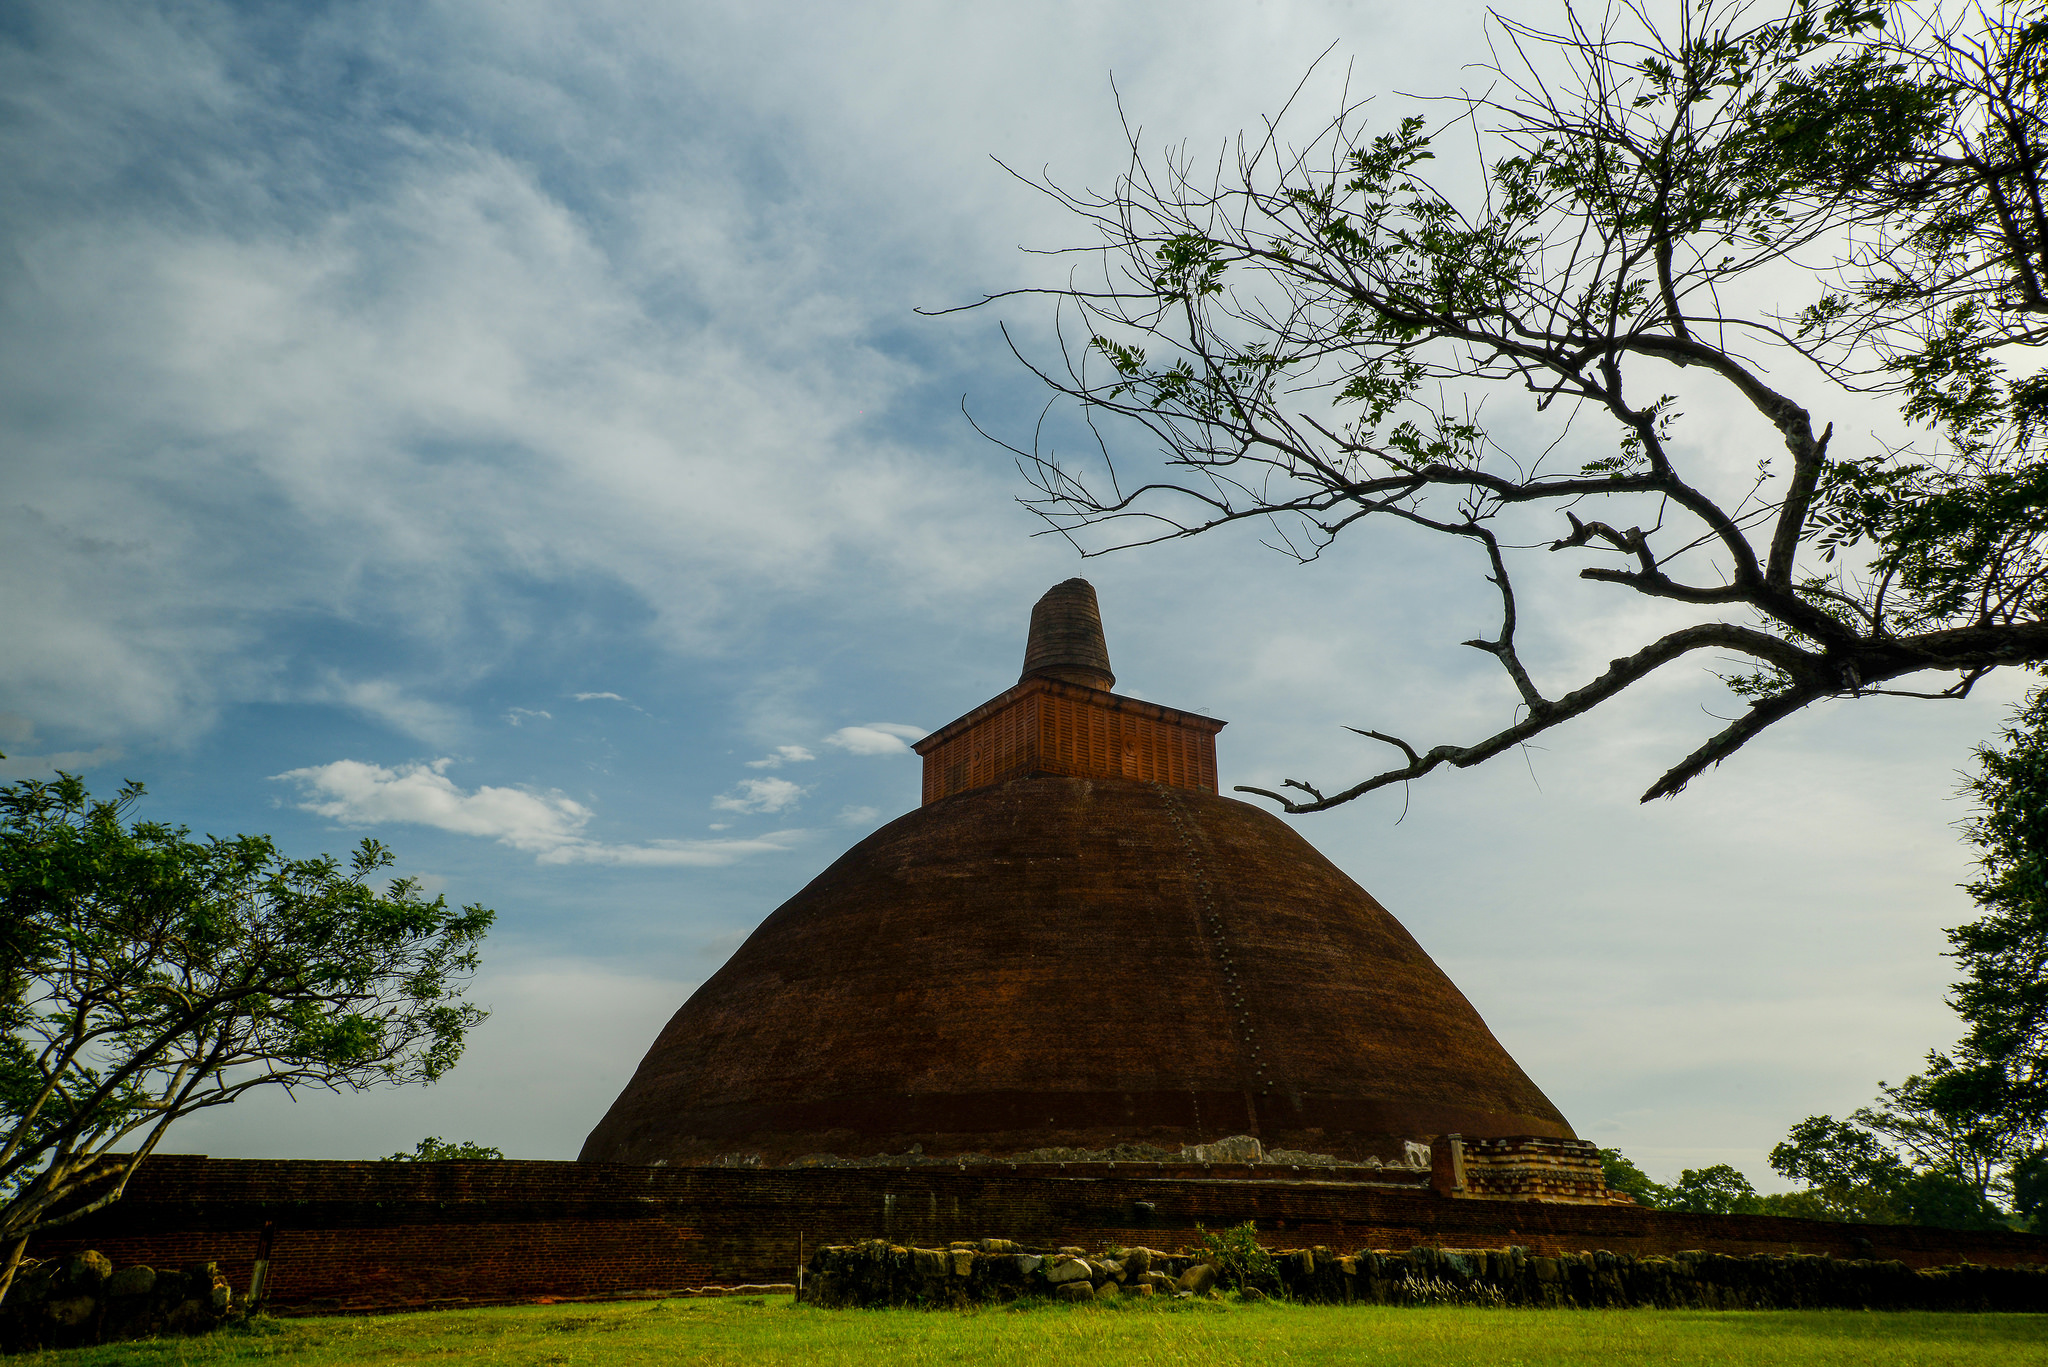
[[1075, 943]]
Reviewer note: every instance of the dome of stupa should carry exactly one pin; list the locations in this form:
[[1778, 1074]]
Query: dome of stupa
[[1076, 942]]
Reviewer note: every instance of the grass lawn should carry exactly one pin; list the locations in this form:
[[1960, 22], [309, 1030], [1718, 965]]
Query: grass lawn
[[773, 1330]]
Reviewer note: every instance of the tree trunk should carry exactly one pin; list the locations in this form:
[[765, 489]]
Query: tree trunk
[[14, 1253]]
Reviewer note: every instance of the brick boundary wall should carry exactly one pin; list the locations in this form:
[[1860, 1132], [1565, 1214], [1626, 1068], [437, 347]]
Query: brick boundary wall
[[350, 1236]]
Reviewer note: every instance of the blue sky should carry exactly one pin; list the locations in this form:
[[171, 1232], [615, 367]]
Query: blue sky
[[504, 429]]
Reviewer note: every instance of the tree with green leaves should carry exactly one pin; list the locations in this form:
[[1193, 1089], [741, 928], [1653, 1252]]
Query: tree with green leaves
[[146, 976], [1952, 1142], [1715, 1190], [434, 1149], [1319, 337]]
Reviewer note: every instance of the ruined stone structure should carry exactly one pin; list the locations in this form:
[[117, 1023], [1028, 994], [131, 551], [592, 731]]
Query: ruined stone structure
[[1076, 944]]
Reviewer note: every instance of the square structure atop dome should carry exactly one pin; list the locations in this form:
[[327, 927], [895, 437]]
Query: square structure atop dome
[[1047, 726]]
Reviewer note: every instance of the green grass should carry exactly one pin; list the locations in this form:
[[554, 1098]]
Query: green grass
[[755, 1331]]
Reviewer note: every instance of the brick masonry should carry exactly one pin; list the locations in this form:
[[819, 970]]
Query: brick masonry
[[383, 1236]]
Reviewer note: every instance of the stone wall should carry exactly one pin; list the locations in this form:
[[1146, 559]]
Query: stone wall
[[875, 1273], [368, 1236], [78, 1299]]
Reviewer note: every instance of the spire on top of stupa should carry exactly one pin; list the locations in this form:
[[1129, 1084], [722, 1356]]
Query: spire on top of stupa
[[1066, 638]]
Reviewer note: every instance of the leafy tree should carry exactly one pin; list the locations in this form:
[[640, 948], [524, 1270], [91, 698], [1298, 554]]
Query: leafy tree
[[1716, 1190], [1849, 1174], [2030, 1191], [1307, 336], [436, 1150], [1947, 1144], [1944, 1145], [1240, 1260], [1625, 1176], [2003, 996], [148, 976]]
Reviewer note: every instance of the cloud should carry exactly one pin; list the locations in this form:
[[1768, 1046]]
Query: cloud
[[547, 824], [760, 795], [701, 854], [387, 701], [784, 754], [17, 731], [518, 715], [876, 738], [858, 816], [71, 761], [359, 794], [592, 697]]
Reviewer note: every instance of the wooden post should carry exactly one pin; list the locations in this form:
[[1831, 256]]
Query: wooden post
[[262, 1267]]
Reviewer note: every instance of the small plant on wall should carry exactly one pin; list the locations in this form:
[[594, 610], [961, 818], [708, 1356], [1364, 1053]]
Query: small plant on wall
[[1239, 1259]]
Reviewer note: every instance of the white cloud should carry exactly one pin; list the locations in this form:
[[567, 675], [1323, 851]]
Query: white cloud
[[699, 854], [876, 738], [760, 795], [359, 794], [858, 816], [784, 754], [518, 715], [71, 761], [547, 824], [388, 702], [591, 697]]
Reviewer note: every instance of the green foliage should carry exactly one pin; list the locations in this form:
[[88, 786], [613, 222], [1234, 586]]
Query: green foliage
[[148, 975], [1715, 1190], [2030, 1191], [1623, 1175], [1240, 1260], [1947, 1144], [2003, 996], [1849, 1174], [1309, 337], [435, 1150]]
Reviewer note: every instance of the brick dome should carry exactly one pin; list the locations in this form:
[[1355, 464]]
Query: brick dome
[[1057, 959]]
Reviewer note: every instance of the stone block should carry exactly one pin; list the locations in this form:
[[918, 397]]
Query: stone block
[[1069, 1270], [1074, 1291], [963, 1262], [132, 1281], [1199, 1279], [83, 1272]]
